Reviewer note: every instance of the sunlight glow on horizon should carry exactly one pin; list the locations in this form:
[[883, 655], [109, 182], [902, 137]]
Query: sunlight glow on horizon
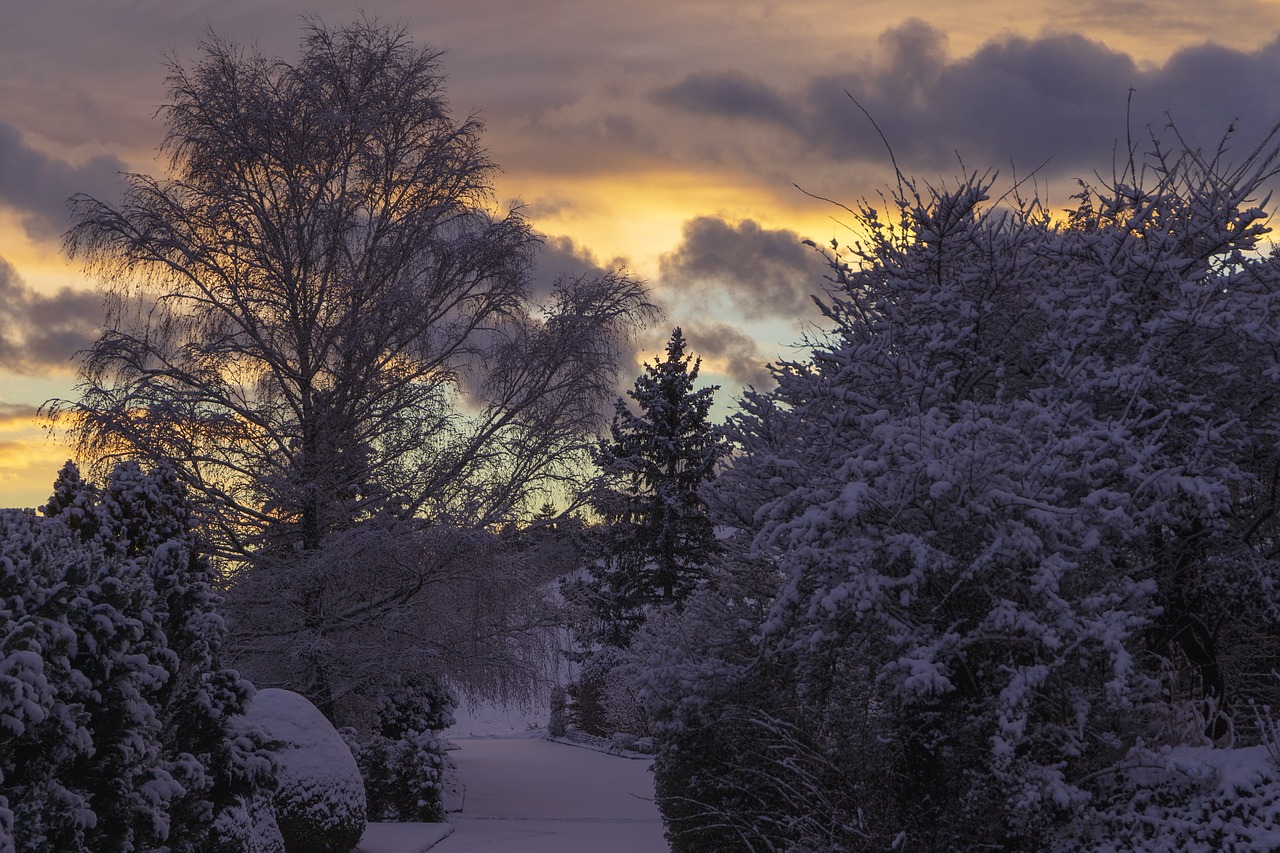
[[554, 84]]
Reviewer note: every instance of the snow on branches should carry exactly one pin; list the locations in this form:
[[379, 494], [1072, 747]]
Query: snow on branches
[[1023, 491], [115, 712]]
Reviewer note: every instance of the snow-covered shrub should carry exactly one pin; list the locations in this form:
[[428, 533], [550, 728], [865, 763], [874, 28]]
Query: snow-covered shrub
[[403, 759], [1189, 799], [319, 804], [1022, 499], [251, 826], [588, 710], [115, 712], [739, 766]]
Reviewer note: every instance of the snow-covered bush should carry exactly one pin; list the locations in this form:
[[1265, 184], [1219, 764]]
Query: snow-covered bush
[[739, 767], [1022, 498], [319, 804], [1189, 799], [115, 713], [403, 759], [588, 709], [558, 721], [251, 827]]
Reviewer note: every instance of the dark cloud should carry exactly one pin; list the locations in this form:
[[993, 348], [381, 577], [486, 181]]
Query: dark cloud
[[38, 186], [562, 258], [763, 273], [729, 351], [915, 57], [731, 94], [39, 333], [1016, 100], [17, 414]]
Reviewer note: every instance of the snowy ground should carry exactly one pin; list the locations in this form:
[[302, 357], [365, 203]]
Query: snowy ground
[[525, 794], [535, 796], [402, 837]]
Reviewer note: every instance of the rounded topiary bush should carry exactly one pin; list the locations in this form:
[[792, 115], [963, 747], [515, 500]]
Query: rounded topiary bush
[[320, 804]]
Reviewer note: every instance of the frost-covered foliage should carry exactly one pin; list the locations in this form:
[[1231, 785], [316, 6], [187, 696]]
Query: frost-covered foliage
[[1192, 799], [1022, 498], [738, 765], [403, 759], [320, 318], [319, 805], [115, 712], [344, 623]]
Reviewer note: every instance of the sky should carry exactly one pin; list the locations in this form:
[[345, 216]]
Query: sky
[[682, 140]]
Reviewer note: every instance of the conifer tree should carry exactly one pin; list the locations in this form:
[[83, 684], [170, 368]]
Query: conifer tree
[[116, 717], [657, 539]]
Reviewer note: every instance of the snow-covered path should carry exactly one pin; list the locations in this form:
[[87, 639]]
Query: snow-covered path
[[536, 796]]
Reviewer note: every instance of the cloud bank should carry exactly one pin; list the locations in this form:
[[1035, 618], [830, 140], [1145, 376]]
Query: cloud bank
[[38, 185], [1060, 97], [40, 334]]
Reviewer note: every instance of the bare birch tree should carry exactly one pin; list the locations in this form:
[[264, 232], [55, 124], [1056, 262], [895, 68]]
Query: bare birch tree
[[318, 316], [320, 320]]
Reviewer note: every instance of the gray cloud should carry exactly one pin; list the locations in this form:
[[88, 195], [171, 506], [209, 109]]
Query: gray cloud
[[17, 414], [39, 333], [730, 352], [38, 186], [764, 274], [726, 93], [1016, 100], [562, 258]]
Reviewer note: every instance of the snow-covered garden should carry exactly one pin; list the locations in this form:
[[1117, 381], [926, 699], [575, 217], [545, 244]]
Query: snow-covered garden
[[992, 565]]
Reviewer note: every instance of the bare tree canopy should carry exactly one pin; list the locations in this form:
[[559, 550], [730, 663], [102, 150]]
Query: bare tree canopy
[[319, 316]]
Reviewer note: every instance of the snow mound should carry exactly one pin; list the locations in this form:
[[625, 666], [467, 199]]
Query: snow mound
[[320, 805]]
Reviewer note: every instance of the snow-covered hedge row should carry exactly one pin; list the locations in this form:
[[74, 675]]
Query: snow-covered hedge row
[[115, 711]]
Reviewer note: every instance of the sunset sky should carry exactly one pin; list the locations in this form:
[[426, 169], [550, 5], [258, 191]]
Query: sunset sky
[[664, 136]]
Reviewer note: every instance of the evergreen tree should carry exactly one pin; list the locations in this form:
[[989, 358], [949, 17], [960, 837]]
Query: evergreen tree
[[657, 539], [117, 718]]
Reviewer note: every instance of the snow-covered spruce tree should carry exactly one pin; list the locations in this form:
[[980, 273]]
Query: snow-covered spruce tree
[[1023, 499], [656, 538], [117, 710], [320, 319]]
